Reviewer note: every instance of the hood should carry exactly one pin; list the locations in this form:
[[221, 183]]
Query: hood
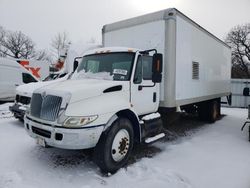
[[28, 89], [85, 88]]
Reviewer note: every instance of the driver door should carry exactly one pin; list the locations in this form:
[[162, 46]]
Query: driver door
[[144, 94]]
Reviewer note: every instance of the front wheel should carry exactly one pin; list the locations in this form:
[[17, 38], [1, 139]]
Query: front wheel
[[115, 146]]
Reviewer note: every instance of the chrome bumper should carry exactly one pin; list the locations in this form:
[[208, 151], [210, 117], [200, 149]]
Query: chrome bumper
[[66, 138]]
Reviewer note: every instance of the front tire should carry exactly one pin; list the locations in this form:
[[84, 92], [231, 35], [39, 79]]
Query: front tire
[[115, 146]]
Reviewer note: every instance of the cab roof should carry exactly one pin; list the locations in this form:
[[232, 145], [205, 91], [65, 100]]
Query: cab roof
[[110, 50]]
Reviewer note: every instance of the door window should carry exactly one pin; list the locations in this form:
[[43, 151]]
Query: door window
[[147, 67], [138, 71], [143, 69]]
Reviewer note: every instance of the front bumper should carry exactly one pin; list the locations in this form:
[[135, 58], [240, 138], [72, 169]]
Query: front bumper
[[66, 138], [18, 110]]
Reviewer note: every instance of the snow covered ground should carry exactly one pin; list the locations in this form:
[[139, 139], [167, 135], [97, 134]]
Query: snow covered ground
[[215, 156]]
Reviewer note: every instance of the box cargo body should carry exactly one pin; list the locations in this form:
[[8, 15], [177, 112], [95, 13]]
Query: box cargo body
[[197, 65]]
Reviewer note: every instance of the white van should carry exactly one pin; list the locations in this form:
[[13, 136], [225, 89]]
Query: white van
[[12, 74], [39, 69]]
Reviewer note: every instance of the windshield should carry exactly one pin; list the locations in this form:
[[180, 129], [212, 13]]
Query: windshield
[[110, 66]]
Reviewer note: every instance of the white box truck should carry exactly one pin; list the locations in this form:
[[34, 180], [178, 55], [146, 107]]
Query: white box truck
[[112, 100]]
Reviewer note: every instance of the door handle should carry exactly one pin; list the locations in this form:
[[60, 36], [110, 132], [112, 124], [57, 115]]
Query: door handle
[[142, 86], [16, 84], [154, 97]]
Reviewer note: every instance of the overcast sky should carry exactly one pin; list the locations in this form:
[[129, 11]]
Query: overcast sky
[[41, 20]]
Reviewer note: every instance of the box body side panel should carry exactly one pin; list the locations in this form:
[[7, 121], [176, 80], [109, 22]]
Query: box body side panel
[[214, 65]]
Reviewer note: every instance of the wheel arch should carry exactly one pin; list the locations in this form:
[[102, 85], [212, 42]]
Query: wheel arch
[[127, 113]]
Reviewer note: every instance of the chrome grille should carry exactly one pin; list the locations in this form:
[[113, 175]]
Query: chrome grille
[[46, 108], [36, 104]]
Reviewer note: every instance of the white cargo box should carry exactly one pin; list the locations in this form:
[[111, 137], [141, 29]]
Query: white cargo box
[[197, 65]]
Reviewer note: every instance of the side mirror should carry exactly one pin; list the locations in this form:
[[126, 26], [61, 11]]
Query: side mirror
[[157, 68], [75, 65]]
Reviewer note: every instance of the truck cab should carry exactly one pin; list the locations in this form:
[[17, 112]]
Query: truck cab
[[108, 104]]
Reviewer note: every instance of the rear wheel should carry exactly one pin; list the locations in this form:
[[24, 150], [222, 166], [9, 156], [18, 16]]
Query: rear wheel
[[209, 110], [115, 146], [214, 111]]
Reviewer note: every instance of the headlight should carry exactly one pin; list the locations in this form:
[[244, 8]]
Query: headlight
[[79, 121]]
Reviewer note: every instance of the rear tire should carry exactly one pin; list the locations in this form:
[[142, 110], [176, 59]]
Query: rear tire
[[209, 110], [115, 146], [213, 111]]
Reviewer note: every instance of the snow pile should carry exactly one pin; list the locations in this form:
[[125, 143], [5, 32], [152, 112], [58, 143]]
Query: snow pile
[[90, 75], [216, 156], [28, 89], [4, 110], [147, 174], [151, 116]]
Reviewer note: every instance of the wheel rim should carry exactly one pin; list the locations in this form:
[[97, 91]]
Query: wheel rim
[[120, 145]]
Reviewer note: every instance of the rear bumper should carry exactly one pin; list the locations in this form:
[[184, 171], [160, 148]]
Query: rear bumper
[[66, 138], [17, 110]]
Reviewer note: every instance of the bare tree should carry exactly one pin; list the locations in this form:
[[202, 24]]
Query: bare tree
[[2, 36], [16, 45], [239, 40], [43, 55], [60, 43], [2, 33]]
